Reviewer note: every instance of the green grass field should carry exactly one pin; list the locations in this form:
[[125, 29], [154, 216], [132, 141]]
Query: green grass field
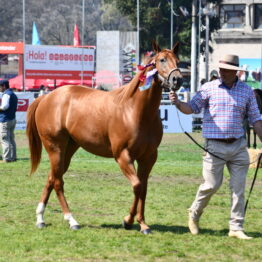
[[100, 196]]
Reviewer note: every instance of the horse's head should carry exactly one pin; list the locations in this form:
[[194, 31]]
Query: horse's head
[[166, 62]]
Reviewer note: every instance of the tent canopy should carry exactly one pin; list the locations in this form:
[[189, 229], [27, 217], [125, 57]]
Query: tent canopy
[[31, 84]]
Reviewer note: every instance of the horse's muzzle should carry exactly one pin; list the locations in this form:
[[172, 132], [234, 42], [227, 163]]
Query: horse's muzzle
[[175, 79], [175, 83]]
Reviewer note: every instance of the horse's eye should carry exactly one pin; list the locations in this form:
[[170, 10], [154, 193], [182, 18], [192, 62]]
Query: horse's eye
[[162, 60]]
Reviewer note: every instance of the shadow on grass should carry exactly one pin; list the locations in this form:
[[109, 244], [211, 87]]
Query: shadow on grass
[[224, 232], [176, 230], [154, 228], [23, 158]]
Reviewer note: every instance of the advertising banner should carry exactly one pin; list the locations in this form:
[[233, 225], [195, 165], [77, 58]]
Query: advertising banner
[[168, 114], [171, 120], [24, 100], [11, 48], [56, 62]]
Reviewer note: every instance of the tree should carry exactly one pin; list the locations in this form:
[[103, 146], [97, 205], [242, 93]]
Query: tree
[[55, 20], [155, 22]]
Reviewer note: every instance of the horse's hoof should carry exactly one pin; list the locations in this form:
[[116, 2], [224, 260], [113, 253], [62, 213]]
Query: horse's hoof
[[146, 231], [75, 227], [41, 225], [127, 226]]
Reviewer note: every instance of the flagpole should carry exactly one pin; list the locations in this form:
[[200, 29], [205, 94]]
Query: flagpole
[[24, 46], [137, 28], [193, 48], [82, 40]]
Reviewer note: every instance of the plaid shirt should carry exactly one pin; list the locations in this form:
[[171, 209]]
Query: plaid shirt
[[225, 108]]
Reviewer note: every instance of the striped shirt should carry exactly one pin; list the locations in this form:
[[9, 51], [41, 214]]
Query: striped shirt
[[224, 109]]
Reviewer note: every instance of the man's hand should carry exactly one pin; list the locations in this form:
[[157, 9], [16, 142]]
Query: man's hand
[[174, 98], [181, 106]]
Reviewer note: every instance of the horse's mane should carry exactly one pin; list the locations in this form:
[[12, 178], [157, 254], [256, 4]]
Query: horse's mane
[[128, 90]]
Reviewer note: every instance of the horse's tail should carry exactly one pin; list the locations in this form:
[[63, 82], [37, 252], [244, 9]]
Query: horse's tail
[[35, 144]]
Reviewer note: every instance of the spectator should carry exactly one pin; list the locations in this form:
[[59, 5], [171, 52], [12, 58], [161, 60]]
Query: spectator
[[213, 75], [203, 81], [8, 121], [42, 90]]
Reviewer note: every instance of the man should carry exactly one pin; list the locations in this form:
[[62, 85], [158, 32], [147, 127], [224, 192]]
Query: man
[[7, 122], [225, 102], [213, 75]]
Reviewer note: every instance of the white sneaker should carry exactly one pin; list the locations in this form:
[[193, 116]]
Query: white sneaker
[[193, 224], [238, 234]]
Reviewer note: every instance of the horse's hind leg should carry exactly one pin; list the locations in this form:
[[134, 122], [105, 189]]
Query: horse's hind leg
[[59, 162], [40, 223], [70, 150]]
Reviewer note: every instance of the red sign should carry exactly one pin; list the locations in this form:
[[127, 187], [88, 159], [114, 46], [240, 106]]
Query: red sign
[[22, 105], [11, 48]]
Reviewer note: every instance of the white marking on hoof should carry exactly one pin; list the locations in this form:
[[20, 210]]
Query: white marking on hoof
[[40, 214], [72, 222]]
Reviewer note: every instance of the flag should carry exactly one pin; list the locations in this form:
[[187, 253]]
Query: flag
[[35, 36], [76, 36]]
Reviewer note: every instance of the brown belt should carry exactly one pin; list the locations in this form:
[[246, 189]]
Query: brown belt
[[224, 140]]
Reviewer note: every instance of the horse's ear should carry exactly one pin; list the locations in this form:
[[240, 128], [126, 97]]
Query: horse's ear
[[156, 47], [175, 48]]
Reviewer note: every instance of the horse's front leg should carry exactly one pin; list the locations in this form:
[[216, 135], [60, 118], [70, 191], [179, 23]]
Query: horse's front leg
[[127, 166], [144, 168]]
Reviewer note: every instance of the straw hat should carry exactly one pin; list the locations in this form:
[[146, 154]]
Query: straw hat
[[230, 62]]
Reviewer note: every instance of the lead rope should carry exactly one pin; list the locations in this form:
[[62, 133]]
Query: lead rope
[[253, 182], [258, 160]]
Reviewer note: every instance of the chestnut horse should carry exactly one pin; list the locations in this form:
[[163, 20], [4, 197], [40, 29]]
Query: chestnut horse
[[123, 124]]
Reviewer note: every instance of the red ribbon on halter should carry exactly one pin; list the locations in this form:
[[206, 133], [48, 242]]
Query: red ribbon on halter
[[142, 77]]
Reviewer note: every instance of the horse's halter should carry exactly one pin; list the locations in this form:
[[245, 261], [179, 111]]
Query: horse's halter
[[166, 81]]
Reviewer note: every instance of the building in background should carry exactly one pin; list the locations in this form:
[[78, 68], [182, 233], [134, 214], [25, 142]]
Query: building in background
[[116, 59], [240, 33]]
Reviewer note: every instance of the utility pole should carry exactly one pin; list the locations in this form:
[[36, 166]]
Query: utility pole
[[199, 39], [83, 40], [207, 47], [137, 28], [171, 26], [193, 84], [24, 45], [208, 11]]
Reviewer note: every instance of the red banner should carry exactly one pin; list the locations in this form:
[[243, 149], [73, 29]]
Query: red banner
[[11, 48]]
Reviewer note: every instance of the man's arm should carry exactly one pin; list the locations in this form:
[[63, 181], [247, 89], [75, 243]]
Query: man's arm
[[5, 102], [181, 106]]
